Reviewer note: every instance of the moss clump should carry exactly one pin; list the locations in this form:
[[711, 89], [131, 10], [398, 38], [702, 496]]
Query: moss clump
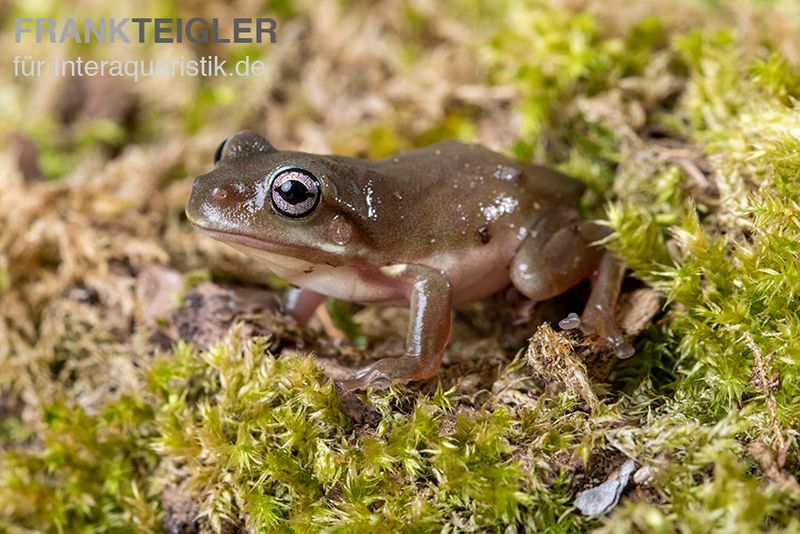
[[85, 472], [267, 440], [732, 273]]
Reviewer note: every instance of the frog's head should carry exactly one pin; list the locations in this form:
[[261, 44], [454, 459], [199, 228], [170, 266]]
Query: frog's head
[[282, 203]]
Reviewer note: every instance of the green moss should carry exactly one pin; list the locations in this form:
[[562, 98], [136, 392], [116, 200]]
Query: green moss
[[61, 153], [86, 472], [735, 270], [268, 437], [559, 55]]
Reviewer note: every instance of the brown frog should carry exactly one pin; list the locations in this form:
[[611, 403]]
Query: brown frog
[[430, 228]]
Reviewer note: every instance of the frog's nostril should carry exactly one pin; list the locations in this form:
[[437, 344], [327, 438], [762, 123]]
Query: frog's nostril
[[219, 193]]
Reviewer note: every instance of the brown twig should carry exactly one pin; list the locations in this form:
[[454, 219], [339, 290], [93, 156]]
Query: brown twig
[[770, 459], [768, 384]]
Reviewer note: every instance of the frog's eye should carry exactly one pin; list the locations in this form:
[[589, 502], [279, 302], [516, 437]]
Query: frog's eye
[[295, 193], [218, 153]]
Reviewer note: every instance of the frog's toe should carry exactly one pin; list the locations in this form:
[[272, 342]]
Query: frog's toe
[[570, 322], [614, 339], [388, 372], [361, 384], [623, 350]]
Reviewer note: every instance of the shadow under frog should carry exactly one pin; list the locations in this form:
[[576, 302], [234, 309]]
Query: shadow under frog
[[430, 228]]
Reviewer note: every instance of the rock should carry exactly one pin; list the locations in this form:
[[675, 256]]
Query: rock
[[637, 310], [602, 499]]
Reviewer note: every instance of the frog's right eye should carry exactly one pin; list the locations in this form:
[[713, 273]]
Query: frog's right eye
[[218, 153]]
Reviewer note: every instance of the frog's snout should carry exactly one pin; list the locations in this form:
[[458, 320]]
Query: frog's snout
[[209, 199], [219, 195]]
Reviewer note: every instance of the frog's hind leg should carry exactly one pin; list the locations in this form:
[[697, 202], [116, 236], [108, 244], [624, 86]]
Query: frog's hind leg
[[598, 314], [552, 261]]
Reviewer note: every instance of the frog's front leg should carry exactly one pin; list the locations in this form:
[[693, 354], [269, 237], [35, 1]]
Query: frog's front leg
[[302, 303], [549, 263], [430, 298]]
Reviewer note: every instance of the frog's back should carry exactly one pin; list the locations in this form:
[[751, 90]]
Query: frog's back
[[470, 167], [450, 197]]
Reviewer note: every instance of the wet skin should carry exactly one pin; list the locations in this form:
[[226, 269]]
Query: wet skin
[[430, 228]]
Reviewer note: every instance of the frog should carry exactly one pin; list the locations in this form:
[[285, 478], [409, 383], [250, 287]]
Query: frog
[[431, 228]]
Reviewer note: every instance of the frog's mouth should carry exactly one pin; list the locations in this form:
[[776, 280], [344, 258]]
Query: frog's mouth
[[246, 241], [274, 252]]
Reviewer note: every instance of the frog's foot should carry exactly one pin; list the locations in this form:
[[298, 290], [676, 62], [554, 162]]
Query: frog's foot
[[390, 371]]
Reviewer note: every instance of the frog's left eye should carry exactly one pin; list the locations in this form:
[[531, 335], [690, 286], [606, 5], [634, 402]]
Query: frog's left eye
[[295, 193], [218, 152]]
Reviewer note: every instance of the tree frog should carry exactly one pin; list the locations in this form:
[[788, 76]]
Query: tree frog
[[430, 228]]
